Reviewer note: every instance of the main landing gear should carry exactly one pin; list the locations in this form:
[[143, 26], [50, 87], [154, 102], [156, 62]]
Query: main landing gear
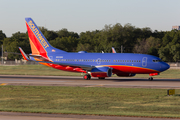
[[87, 77], [150, 78]]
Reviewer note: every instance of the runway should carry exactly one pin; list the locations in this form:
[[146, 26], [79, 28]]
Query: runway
[[94, 82], [41, 116], [79, 81]]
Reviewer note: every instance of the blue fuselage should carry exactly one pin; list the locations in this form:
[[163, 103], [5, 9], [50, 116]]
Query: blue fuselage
[[142, 62]]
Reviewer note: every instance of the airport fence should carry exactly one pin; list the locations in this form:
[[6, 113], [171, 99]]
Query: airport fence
[[18, 62], [174, 65]]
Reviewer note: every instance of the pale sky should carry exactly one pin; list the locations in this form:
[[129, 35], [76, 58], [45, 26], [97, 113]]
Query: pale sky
[[88, 15]]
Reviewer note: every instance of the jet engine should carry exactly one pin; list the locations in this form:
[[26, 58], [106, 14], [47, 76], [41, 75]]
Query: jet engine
[[101, 72]]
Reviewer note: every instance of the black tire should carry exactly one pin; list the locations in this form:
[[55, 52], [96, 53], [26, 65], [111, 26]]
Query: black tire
[[150, 78], [89, 76]]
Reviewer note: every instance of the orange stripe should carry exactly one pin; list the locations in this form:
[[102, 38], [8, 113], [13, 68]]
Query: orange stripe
[[33, 48]]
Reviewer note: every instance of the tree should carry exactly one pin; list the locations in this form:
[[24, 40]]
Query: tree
[[175, 50], [165, 54], [150, 46], [11, 45], [17, 40], [50, 35], [2, 36], [169, 50], [65, 33], [68, 44]]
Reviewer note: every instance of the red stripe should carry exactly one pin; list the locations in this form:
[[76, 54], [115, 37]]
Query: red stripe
[[131, 69]]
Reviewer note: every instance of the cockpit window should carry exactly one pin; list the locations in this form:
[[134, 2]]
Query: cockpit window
[[156, 60]]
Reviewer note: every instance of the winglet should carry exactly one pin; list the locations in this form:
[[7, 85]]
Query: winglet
[[113, 50], [23, 54]]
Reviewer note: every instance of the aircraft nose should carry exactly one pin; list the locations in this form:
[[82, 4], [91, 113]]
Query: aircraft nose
[[165, 66]]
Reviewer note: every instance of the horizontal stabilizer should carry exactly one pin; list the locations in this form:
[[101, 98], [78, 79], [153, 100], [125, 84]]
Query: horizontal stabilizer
[[39, 57], [23, 54]]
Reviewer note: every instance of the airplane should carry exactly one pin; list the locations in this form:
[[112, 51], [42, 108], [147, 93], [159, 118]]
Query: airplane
[[100, 65]]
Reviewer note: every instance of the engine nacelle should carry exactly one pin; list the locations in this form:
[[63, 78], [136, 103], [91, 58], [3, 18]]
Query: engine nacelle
[[125, 74], [101, 72]]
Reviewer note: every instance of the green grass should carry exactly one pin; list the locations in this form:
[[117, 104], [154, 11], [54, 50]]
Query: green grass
[[96, 101], [44, 70]]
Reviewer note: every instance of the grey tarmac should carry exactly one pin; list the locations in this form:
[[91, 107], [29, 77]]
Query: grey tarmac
[[40, 116], [94, 82]]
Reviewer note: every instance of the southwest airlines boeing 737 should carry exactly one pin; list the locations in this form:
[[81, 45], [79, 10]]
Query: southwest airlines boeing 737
[[99, 65]]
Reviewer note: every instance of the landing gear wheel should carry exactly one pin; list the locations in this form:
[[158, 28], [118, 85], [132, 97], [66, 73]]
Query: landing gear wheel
[[101, 78], [87, 77], [150, 78]]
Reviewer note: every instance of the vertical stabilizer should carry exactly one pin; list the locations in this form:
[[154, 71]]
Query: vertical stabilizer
[[39, 44]]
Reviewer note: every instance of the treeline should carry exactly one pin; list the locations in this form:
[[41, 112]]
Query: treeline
[[165, 45]]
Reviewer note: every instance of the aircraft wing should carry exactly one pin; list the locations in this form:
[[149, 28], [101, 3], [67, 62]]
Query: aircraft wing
[[85, 67]]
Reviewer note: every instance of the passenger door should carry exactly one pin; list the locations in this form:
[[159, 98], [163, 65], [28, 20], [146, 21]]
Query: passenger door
[[144, 61]]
